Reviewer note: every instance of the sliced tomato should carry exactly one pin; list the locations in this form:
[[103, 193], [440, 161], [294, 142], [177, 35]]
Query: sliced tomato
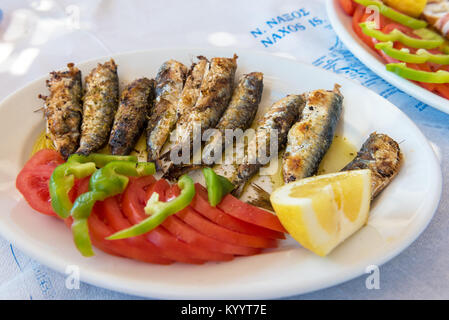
[[246, 212], [33, 185], [423, 67], [32, 181], [404, 29], [133, 208], [348, 6], [182, 231], [47, 157], [135, 196], [210, 229], [114, 217], [99, 229], [201, 204], [360, 15]]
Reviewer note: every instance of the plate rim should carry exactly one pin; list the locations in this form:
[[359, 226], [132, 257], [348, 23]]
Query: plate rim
[[118, 284], [362, 52]]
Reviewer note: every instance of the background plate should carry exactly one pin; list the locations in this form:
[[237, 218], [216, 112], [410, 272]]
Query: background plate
[[398, 215], [342, 25]]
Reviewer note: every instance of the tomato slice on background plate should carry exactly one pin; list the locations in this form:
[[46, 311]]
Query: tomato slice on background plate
[[348, 6]]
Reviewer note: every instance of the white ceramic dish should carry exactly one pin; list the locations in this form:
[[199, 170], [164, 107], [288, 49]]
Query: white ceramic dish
[[398, 215], [342, 25]]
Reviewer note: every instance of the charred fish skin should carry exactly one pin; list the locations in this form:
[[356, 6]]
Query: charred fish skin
[[242, 109], [310, 138], [215, 94], [169, 84], [239, 114], [129, 122], [63, 109], [100, 104], [382, 156], [280, 117]]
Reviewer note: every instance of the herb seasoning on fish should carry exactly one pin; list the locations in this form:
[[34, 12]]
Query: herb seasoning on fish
[[163, 117], [99, 108], [280, 117], [310, 138], [63, 109], [215, 93], [381, 155], [135, 102], [238, 116]]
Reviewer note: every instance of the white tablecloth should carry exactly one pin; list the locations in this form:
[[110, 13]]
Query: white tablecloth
[[37, 36]]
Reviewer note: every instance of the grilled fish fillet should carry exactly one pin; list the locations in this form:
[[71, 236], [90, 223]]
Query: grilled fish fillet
[[239, 115], [280, 117], [215, 93], [100, 104], [382, 156], [63, 109], [310, 138], [135, 103], [169, 83]]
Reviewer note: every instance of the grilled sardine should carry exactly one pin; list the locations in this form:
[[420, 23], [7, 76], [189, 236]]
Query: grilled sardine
[[238, 116], [135, 102], [63, 109], [382, 156], [164, 114], [310, 138], [280, 117], [379, 153], [215, 93], [100, 104]]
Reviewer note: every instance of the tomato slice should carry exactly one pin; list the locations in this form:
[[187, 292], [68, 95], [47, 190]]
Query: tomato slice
[[113, 216], [99, 229], [33, 185], [133, 208], [135, 196], [32, 181], [182, 231], [246, 212], [48, 157], [360, 15], [348, 6], [207, 227], [201, 204]]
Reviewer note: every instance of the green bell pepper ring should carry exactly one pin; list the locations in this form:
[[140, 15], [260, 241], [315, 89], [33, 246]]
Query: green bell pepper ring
[[421, 56], [217, 186], [394, 15], [431, 40], [106, 182], [416, 75], [62, 181], [77, 166], [159, 211]]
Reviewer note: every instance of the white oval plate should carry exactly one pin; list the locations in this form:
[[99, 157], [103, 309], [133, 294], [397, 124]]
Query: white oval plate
[[342, 25], [398, 215]]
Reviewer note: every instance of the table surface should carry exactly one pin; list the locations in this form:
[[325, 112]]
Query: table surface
[[42, 35]]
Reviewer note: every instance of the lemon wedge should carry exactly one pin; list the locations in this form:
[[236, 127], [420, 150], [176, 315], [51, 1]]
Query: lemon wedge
[[412, 8], [322, 211]]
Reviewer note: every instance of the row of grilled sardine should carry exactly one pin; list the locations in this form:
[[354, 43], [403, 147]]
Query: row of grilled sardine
[[177, 100], [84, 121]]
